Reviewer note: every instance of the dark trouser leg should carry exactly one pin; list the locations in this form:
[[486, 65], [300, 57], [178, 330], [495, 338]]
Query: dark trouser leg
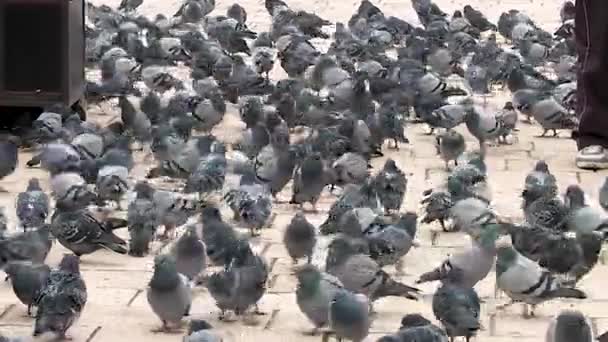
[[592, 95]]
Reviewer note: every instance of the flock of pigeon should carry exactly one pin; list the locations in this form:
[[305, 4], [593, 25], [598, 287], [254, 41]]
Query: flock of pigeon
[[317, 128]]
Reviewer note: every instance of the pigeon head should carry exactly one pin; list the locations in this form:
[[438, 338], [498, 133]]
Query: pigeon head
[[198, 325], [143, 189], [34, 184], [575, 197], [509, 106], [413, 320], [467, 8], [506, 255], [390, 164], [189, 243], [308, 275], [70, 263], [489, 235], [210, 213], [165, 275], [457, 14], [409, 221]]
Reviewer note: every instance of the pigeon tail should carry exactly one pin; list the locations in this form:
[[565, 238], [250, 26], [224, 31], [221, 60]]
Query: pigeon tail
[[433, 275], [567, 292], [114, 247], [390, 287]]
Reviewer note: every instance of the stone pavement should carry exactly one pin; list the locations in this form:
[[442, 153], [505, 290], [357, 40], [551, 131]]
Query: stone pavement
[[117, 309]]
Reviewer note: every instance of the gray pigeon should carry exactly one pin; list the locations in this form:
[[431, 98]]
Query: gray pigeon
[[62, 300], [523, 280], [483, 126], [603, 195], [9, 154], [32, 205], [142, 219], [168, 293], [33, 245], [112, 183], [457, 308], [582, 217], [27, 279], [242, 284], [56, 157], [219, 237], [251, 204], [300, 238], [314, 293], [130, 5], [414, 327], [389, 243], [88, 145], [470, 266], [553, 116], [362, 274], [349, 316], [309, 181], [507, 118], [210, 173], [350, 168], [189, 253], [352, 197], [450, 145], [71, 191], [200, 331], [79, 231], [174, 209], [208, 112], [570, 326], [275, 164], [391, 186]]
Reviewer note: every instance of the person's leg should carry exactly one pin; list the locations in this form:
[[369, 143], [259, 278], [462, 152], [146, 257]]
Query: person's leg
[[592, 97]]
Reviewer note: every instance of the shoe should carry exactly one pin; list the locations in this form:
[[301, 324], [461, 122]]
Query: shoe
[[592, 157]]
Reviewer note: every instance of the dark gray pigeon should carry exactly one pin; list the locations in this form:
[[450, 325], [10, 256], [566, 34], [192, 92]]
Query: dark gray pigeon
[[458, 309], [450, 145], [309, 181], [33, 245], [350, 168], [142, 219], [242, 285], [349, 316], [112, 184], [362, 274], [189, 253], [252, 205], [300, 238], [62, 300], [9, 154], [570, 326], [314, 294], [389, 243], [27, 279], [79, 231], [275, 164], [391, 186], [130, 5], [210, 173], [70, 190], [200, 331], [219, 237], [168, 293], [32, 205]]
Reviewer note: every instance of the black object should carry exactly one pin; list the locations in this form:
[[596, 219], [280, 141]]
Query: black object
[[42, 46]]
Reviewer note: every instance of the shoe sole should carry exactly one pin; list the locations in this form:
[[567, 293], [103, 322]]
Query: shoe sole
[[592, 165]]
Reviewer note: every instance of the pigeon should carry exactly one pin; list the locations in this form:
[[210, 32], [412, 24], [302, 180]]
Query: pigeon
[[240, 286], [219, 237], [539, 182], [457, 308], [470, 266], [9, 153], [525, 281], [210, 173], [142, 219], [417, 328], [168, 293], [391, 185], [389, 243], [62, 299], [570, 325], [314, 292], [130, 5], [56, 158], [361, 274], [450, 145], [309, 181], [251, 204], [174, 209], [79, 231], [32, 205], [208, 112], [274, 164], [27, 279], [568, 11], [33, 245], [552, 116], [300, 238], [350, 168], [349, 316], [112, 183], [200, 331], [507, 119], [70, 190], [582, 217], [189, 254]]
